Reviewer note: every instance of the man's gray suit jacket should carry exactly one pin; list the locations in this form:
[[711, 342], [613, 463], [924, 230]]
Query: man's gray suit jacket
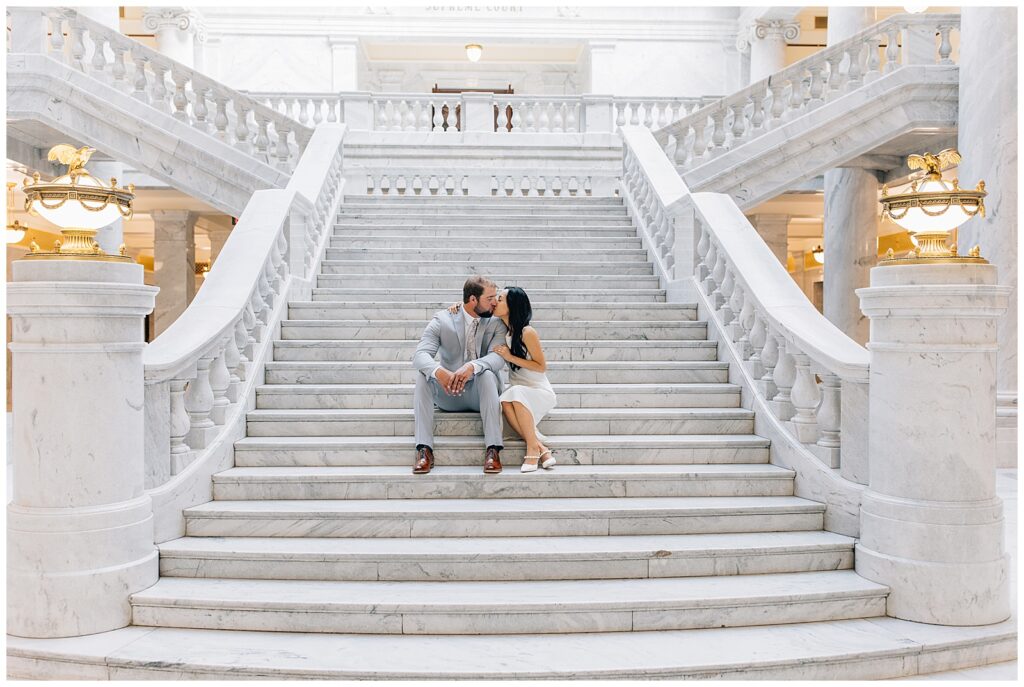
[[446, 334]]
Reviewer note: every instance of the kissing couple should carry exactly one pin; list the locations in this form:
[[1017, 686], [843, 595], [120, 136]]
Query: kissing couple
[[475, 340]]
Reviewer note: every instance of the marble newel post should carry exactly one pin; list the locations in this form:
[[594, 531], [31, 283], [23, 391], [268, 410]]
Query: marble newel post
[[931, 523], [987, 139], [80, 525]]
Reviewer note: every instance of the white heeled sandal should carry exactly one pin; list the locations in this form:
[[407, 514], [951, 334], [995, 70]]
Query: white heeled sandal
[[550, 462], [529, 467]]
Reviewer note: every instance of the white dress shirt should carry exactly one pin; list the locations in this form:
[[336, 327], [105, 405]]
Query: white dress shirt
[[467, 322]]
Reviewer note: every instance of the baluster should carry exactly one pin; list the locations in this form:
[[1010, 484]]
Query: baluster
[[656, 226], [778, 103], [464, 185], [199, 109], [739, 122], [556, 186], [892, 49], [220, 380], [945, 46], [382, 115], [99, 55], [558, 121], [873, 46], [282, 150], [804, 396], [199, 403], [56, 34], [220, 120], [332, 114], [232, 359], [757, 339], [634, 114], [303, 106], [746, 323], [783, 376], [703, 246], [620, 115], [571, 121], [757, 113], [854, 71], [524, 186], [817, 85], [77, 45], [736, 301], [139, 82], [242, 141], [830, 418], [516, 119], [718, 278], [573, 186], [241, 343], [700, 144], [408, 117], [180, 100], [541, 186], [665, 116], [159, 92], [434, 185], [531, 120], [423, 116], [449, 185], [835, 79], [262, 141], [680, 154], [707, 281], [669, 256], [417, 183], [179, 426], [718, 137], [400, 185], [252, 324], [118, 69], [318, 116], [437, 121], [648, 115], [769, 357], [544, 121], [725, 311]]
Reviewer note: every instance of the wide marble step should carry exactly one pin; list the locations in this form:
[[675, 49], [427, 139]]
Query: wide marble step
[[504, 517], [542, 311], [611, 298], [499, 242], [512, 607], [379, 395], [655, 449], [559, 372], [613, 258], [419, 559], [554, 350], [537, 285], [563, 481], [858, 649], [426, 199], [478, 231], [482, 263], [414, 218], [470, 209], [560, 421], [550, 331]]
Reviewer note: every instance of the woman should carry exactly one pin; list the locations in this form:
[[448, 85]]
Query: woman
[[529, 396]]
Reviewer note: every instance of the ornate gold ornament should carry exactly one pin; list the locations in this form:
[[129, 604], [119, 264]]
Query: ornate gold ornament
[[79, 204], [931, 209]]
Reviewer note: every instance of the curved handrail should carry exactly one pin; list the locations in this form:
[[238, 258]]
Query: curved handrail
[[825, 60]]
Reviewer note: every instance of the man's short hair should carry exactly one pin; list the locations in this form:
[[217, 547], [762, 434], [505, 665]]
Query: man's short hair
[[475, 286]]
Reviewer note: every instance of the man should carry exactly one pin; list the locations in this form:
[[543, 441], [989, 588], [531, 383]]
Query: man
[[468, 375]]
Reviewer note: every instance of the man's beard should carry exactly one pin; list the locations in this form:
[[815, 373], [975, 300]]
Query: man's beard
[[485, 314]]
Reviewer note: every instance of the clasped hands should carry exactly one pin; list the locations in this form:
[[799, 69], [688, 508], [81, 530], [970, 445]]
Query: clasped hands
[[454, 383]]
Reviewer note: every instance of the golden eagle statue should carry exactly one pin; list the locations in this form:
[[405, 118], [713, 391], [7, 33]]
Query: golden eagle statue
[[74, 158], [934, 164]]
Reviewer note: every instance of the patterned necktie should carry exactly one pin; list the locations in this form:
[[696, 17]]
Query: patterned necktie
[[471, 341]]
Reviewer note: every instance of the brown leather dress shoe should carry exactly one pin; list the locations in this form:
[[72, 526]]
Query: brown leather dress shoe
[[424, 461], [492, 461]]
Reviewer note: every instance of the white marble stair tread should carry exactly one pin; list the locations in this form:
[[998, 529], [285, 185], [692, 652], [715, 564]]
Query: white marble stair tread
[[502, 548], [552, 365], [562, 441], [362, 414], [863, 648], [508, 596], [507, 508], [608, 389]]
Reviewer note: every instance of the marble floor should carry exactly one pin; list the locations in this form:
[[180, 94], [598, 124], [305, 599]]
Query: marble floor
[[1006, 487]]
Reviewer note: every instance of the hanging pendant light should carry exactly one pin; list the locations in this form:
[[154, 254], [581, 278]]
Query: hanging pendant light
[[474, 51]]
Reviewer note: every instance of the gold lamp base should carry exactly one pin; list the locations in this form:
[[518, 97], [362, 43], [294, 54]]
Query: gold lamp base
[[931, 249], [78, 244]]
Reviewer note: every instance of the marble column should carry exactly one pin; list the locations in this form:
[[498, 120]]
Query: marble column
[[774, 229], [851, 245], [931, 523], [174, 264], [987, 140], [180, 33], [602, 67], [111, 236], [218, 237], [80, 523], [765, 39], [843, 22], [344, 64]]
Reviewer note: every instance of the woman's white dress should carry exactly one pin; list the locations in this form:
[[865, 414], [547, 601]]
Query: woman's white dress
[[530, 388]]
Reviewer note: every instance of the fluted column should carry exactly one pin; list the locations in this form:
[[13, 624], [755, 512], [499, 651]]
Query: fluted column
[[174, 264], [766, 39], [987, 139], [774, 229]]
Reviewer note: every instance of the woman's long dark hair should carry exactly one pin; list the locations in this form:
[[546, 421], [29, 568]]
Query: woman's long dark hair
[[519, 315]]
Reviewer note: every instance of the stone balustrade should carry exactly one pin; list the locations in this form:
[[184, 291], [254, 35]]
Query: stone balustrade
[[810, 376], [168, 86], [201, 372], [901, 40], [427, 183], [447, 113]]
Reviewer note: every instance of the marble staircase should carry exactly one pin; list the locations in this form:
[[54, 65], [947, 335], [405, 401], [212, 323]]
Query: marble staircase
[[663, 514]]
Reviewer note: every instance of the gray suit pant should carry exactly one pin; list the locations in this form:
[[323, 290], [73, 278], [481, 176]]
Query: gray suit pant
[[479, 395]]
